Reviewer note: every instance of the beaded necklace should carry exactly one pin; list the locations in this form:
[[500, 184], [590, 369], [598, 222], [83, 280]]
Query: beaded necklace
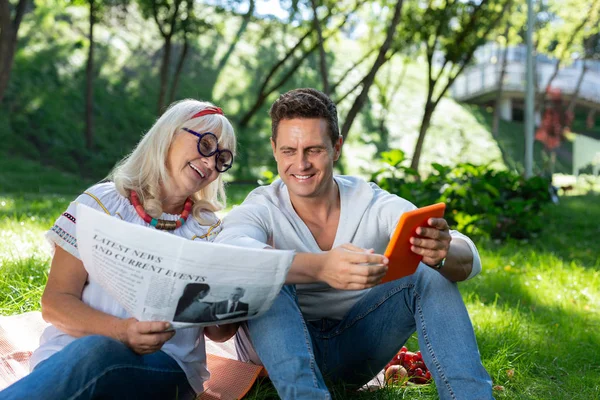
[[161, 224]]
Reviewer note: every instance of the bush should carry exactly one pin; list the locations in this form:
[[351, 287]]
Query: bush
[[479, 200]]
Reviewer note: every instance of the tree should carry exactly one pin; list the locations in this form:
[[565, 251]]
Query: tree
[[240, 32], [96, 10], [190, 27], [89, 80], [592, 52], [368, 80], [322, 54], [387, 88], [564, 37], [10, 21], [513, 27], [504, 61], [305, 45], [167, 14], [454, 30]]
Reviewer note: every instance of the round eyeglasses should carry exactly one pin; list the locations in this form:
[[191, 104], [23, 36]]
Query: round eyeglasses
[[208, 145]]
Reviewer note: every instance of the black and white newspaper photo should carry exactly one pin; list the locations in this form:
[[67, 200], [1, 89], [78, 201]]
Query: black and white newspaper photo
[[157, 276]]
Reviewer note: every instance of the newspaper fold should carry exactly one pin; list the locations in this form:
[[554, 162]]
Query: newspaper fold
[[157, 276]]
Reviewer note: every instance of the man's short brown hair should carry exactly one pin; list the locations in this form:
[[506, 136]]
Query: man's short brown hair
[[305, 103]]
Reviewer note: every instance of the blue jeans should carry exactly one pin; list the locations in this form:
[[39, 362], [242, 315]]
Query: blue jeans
[[94, 367], [299, 354]]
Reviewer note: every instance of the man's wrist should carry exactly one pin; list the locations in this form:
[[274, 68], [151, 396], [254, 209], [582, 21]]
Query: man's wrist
[[439, 265]]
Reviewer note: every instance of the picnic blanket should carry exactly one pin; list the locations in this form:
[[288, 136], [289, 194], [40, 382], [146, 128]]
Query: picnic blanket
[[19, 337]]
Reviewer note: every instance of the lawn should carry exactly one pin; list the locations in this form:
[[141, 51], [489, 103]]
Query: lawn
[[535, 306]]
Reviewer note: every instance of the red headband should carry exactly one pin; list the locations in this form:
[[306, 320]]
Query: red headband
[[208, 111]]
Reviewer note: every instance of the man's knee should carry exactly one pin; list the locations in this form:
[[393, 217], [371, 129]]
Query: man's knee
[[427, 277]]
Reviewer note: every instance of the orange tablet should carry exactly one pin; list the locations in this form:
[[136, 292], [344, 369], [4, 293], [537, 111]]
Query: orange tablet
[[403, 261]]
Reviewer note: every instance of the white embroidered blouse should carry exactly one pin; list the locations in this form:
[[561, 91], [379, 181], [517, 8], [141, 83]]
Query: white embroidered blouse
[[187, 346]]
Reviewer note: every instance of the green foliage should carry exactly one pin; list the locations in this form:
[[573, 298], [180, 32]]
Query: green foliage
[[267, 177], [479, 200], [571, 23], [454, 28]]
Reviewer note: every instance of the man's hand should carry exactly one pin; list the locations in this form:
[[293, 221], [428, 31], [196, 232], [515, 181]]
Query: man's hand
[[145, 337], [350, 267], [434, 241]]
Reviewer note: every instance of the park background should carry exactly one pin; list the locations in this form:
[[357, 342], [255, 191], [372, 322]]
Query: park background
[[430, 97]]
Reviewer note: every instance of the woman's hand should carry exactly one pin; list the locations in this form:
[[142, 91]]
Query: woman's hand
[[63, 308], [145, 337]]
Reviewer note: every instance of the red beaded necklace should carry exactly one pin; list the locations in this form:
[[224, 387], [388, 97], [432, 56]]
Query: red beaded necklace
[[161, 224]]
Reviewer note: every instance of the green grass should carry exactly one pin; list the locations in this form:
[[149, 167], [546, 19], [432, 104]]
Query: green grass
[[535, 307], [24, 255], [20, 175]]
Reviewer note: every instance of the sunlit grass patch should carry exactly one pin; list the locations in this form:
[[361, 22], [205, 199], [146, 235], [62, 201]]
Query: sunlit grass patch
[[22, 284]]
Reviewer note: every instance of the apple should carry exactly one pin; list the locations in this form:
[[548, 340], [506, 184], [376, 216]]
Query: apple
[[395, 373]]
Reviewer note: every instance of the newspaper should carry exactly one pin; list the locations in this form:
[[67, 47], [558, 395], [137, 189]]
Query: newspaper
[[157, 276]]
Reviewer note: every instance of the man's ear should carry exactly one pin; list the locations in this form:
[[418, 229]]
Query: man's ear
[[337, 148]]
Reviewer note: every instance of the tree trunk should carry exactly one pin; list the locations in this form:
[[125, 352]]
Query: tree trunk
[[345, 74], [164, 74], [178, 69], [89, 82], [322, 55], [496, 116], [431, 104], [386, 100], [167, 36], [263, 92], [578, 28], [541, 103], [573, 102], [7, 53], [425, 122], [370, 77], [8, 40], [338, 100]]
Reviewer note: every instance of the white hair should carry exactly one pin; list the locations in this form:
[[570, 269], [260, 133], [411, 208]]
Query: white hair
[[144, 170]]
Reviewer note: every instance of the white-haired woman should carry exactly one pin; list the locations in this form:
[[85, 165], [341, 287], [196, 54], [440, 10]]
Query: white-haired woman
[[93, 349]]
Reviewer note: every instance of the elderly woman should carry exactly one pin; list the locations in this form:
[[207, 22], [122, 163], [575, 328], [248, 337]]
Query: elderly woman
[[172, 181]]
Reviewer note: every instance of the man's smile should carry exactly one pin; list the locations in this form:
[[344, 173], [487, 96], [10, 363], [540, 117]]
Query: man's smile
[[303, 177]]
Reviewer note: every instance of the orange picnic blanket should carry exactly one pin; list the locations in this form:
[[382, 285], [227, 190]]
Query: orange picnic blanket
[[19, 337]]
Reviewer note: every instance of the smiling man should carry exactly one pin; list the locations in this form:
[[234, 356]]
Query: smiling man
[[332, 321]]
